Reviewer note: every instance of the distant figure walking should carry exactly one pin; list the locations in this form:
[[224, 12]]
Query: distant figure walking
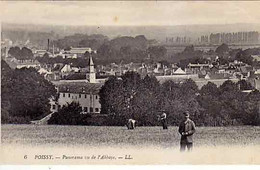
[[131, 124], [186, 129], [163, 119]]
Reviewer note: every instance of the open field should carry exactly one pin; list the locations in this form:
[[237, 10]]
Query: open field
[[146, 145], [34, 135]]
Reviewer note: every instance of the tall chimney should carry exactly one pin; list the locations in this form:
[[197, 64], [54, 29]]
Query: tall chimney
[[52, 48], [48, 45]]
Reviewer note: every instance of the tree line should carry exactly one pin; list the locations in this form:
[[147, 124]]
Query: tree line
[[21, 53], [143, 99], [224, 53]]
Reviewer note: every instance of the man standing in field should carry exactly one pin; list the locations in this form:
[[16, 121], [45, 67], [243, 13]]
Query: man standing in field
[[163, 120], [186, 129]]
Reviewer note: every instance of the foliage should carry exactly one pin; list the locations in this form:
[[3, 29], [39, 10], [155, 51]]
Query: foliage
[[46, 55], [81, 40], [76, 62], [252, 108], [111, 100], [144, 99], [130, 97], [125, 48], [157, 52], [245, 56], [25, 94], [14, 51], [244, 85], [21, 54], [190, 55], [69, 115], [222, 49]]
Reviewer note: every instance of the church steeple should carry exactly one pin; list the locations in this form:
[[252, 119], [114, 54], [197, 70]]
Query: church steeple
[[91, 76]]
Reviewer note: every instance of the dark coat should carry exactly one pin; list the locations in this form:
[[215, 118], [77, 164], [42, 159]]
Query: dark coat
[[188, 128]]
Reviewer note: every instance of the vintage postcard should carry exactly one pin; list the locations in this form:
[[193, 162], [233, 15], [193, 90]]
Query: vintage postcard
[[130, 82]]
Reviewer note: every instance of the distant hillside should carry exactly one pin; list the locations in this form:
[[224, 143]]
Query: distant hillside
[[150, 32]]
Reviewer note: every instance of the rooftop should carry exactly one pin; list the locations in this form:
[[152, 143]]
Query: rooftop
[[82, 87]]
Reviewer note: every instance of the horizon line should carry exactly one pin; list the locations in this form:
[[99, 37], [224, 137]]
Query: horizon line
[[150, 25]]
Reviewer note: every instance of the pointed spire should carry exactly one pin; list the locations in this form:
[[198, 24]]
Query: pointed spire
[[91, 63], [91, 76]]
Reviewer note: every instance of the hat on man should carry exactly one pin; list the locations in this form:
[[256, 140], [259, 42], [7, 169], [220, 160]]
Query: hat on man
[[186, 114]]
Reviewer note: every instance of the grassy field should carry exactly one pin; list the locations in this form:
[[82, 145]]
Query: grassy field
[[51, 135]]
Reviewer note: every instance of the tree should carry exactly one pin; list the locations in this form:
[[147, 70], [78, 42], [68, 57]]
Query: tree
[[14, 52], [177, 98], [190, 55], [131, 83], [251, 107], [244, 85], [189, 87], [112, 101], [209, 101], [245, 57], [171, 90], [69, 115], [157, 52], [145, 103], [46, 55], [126, 50], [130, 97], [21, 54], [210, 89], [232, 100], [222, 49], [189, 49], [26, 94], [228, 86], [26, 54]]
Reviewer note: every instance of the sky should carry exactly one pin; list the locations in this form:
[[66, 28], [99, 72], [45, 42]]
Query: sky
[[116, 13]]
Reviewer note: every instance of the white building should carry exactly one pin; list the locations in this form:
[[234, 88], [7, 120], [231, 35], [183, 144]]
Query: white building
[[66, 69], [40, 53], [81, 50], [85, 92], [14, 63], [179, 71], [76, 52]]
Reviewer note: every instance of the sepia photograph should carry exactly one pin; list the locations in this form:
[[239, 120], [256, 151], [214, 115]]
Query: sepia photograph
[[130, 82]]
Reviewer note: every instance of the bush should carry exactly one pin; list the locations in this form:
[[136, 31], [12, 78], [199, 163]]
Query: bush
[[69, 115]]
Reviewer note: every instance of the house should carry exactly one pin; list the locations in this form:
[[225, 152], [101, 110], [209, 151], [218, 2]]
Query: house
[[179, 71], [245, 71], [66, 69], [85, 91], [177, 78], [75, 52], [42, 71], [254, 79], [39, 53], [195, 68], [81, 50], [14, 63], [218, 82], [256, 58]]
